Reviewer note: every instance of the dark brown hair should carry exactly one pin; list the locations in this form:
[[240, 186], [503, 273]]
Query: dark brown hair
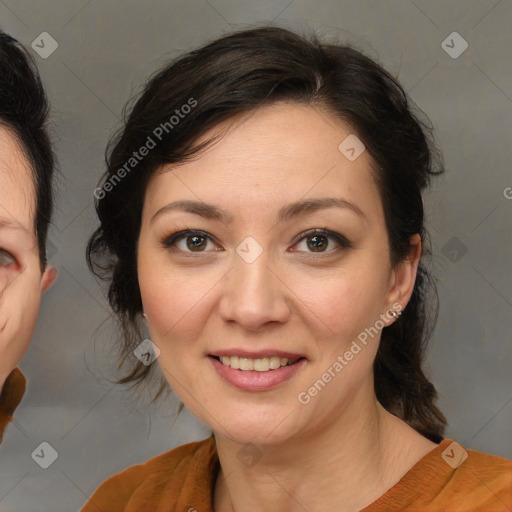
[[24, 109], [233, 75]]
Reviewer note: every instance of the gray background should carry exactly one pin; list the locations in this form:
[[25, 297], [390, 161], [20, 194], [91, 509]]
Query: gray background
[[106, 49]]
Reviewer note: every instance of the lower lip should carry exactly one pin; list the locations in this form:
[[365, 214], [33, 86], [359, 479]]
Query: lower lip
[[251, 380]]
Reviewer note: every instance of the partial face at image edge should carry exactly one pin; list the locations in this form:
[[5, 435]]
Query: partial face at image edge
[[21, 280]]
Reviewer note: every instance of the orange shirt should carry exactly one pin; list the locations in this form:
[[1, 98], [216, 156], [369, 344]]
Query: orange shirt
[[183, 479], [12, 393]]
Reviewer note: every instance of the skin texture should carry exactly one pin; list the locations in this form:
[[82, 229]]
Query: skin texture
[[342, 445], [21, 279]]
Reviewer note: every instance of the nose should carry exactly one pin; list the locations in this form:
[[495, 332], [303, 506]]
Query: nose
[[254, 295]]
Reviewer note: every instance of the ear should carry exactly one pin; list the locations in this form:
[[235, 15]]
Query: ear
[[50, 275], [403, 276]]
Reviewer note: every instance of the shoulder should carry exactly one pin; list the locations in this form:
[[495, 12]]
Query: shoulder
[[488, 480], [169, 475], [452, 478], [469, 480]]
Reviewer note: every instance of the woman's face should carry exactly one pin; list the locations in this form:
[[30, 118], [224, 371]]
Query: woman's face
[[21, 279], [254, 280]]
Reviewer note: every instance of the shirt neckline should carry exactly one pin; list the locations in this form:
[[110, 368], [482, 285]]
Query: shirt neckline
[[399, 494], [410, 486]]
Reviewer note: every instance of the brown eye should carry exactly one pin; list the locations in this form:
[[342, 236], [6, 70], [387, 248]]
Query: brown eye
[[317, 243], [322, 241], [189, 241], [196, 243]]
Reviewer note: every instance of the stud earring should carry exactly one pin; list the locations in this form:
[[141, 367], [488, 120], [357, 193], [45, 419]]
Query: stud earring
[[395, 314]]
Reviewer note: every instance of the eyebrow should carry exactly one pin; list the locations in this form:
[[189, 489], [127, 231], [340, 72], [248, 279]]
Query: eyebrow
[[303, 207]]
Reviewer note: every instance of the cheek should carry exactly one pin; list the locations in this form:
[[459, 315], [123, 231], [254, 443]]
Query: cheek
[[170, 306], [345, 303], [172, 300], [18, 315], [7, 277]]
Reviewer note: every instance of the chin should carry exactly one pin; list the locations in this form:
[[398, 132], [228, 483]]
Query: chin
[[271, 428]]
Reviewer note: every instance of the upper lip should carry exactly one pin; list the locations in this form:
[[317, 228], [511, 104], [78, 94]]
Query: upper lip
[[259, 354]]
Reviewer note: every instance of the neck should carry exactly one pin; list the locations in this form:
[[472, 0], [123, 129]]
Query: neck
[[353, 462]]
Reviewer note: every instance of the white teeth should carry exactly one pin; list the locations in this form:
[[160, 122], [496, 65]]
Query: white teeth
[[246, 363], [263, 364], [274, 362]]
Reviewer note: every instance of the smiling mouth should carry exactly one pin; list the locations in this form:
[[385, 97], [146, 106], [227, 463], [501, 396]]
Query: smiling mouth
[[263, 364]]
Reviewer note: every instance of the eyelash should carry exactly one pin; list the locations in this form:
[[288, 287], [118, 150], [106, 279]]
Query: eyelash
[[170, 241]]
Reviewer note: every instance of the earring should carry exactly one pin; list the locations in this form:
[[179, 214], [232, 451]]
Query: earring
[[395, 314]]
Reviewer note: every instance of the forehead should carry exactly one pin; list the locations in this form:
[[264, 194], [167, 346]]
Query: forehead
[[275, 154], [17, 191]]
